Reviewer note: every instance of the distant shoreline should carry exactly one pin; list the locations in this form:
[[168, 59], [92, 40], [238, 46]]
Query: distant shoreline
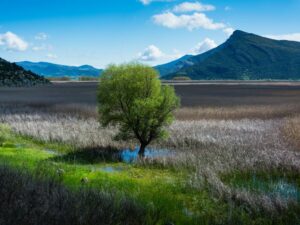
[[208, 82]]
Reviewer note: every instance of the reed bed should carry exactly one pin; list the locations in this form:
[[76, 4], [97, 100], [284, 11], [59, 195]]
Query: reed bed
[[207, 147], [238, 112], [291, 131]]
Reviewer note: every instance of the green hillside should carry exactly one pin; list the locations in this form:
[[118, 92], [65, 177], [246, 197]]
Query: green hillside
[[246, 56], [14, 75]]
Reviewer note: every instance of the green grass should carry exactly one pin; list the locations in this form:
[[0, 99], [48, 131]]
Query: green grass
[[160, 188], [164, 190]]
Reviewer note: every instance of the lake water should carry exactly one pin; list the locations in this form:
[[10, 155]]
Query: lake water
[[110, 169], [130, 156], [283, 188]]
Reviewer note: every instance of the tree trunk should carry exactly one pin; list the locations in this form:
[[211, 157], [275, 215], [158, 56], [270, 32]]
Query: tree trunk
[[142, 150]]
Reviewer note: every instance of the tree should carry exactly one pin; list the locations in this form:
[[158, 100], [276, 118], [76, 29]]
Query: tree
[[131, 97]]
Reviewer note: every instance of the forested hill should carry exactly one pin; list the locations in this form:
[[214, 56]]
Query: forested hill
[[14, 75]]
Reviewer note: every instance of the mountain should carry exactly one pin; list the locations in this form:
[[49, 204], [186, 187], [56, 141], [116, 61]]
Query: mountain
[[55, 70], [174, 66], [14, 75], [244, 56]]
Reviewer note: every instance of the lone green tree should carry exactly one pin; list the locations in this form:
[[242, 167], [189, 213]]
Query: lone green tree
[[131, 97]]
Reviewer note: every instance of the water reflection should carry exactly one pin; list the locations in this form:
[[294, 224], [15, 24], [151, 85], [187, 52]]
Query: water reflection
[[129, 155], [110, 169], [282, 188]]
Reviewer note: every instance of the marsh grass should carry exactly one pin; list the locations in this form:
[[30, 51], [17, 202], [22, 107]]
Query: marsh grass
[[34, 201], [221, 142], [291, 131], [238, 112]]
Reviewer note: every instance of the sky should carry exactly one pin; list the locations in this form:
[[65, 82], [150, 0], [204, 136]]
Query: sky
[[98, 32]]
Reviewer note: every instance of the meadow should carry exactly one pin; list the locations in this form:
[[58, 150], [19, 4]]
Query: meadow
[[232, 157]]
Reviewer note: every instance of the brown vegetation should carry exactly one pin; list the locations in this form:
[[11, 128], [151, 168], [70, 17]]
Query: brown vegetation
[[291, 131], [238, 112]]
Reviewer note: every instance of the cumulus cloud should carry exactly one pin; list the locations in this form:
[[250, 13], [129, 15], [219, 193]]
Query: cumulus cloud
[[228, 31], [191, 22], [51, 56], [288, 37], [192, 7], [41, 37], [147, 2], [203, 46], [151, 53], [42, 47], [13, 42]]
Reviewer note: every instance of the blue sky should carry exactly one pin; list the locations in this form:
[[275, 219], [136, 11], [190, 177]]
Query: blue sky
[[96, 32]]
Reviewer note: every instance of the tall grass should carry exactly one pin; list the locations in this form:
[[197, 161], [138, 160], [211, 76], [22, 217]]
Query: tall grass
[[208, 148], [291, 131], [238, 112], [33, 201]]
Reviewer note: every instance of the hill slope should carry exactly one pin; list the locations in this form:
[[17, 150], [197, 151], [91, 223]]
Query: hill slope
[[14, 75], [55, 70], [245, 56], [174, 66]]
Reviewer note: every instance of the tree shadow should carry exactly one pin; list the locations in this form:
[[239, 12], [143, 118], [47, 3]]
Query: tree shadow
[[90, 156]]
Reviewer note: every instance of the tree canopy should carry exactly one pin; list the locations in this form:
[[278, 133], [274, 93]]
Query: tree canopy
[[131, 97]]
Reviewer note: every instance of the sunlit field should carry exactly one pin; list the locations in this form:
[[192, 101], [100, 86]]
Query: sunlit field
[[221, 164]]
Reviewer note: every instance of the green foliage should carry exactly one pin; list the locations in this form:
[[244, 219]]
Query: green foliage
[[132, 97]]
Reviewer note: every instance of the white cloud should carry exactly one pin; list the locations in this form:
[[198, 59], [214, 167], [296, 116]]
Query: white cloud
[[151, 53], [147, 2], [13, 42], [192, 7], [42, 47], [205, 45], [51, 56], [191, 22], [289, 37], [41, 37], [228, 31]]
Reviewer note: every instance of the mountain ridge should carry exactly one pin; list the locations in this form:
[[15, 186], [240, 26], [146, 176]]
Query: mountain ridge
[[245, 56], [47, 69]]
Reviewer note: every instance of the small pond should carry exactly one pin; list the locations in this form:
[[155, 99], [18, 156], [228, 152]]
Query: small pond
[[108, 169], [131, 155], [278, 186]]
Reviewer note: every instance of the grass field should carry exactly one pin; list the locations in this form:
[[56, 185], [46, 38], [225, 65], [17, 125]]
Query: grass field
[[234, 159]]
